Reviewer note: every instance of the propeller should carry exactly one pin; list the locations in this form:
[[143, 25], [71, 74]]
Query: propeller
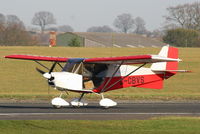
[[40, 71], [48, 75]]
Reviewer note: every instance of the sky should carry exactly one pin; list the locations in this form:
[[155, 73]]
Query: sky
[[82, 14]]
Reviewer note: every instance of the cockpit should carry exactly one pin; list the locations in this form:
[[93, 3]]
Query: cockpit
[[93, 74]]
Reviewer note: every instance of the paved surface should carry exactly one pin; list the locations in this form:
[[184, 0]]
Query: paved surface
[[124, 111]]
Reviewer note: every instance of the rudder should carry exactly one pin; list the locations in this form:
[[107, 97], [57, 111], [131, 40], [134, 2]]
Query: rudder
[[167, 67]]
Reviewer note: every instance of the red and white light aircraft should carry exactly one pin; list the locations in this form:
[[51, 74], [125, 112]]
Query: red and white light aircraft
[[99, 75]]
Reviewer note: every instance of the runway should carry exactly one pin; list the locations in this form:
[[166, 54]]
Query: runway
[[124, 111]]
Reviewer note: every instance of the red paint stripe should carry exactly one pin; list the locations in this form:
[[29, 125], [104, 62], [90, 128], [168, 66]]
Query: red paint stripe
[[137, 57], [154, 81], [61, 59], [41, 58], [172, 53]]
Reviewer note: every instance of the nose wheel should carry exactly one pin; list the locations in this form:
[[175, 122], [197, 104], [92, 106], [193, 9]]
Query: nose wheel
[[58, 102], [57, 106]]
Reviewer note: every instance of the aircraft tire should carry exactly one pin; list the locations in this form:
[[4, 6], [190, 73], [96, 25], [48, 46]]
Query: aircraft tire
[[57, 106]]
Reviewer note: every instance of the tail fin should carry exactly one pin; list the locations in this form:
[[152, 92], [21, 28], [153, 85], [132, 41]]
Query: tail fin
[[170, 68]]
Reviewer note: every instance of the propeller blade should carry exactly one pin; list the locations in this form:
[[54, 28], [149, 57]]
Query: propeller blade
[[40, 71], [53, 66]]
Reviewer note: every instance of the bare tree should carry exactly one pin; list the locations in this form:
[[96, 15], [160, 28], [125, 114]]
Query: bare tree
[[103, 29], [140, 26], [13, 32], [12, 20], [2, 27], [124, 22], [157, 33], [177, 15], [195, 15], [65, 28], [43, 19], [2, 19], [186, 16]]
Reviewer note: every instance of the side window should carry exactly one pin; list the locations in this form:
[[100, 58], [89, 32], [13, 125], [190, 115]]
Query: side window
[[88, 70], [68, 67]]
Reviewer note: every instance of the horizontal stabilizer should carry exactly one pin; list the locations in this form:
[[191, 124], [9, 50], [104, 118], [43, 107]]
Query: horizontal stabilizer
[[179, 71]]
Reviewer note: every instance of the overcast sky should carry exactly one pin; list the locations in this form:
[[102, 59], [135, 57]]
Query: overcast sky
[[82, 14]]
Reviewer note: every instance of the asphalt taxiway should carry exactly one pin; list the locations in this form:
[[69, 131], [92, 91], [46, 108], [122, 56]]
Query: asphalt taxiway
[[124, 111]]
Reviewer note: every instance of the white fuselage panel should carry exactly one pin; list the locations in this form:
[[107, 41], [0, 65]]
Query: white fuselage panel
[[68, 80], [126, 69]]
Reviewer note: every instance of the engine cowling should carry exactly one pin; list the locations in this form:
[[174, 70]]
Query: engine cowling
[[66, 80]]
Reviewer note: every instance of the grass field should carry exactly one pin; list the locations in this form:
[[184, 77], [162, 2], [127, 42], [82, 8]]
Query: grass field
[[19, 80], [164, 125]]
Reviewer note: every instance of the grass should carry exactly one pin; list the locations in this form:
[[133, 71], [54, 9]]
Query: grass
[[164, 125], [19, 80]]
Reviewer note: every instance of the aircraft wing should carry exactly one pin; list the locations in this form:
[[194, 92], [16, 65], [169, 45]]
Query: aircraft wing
[[38, 58], [138, 59]]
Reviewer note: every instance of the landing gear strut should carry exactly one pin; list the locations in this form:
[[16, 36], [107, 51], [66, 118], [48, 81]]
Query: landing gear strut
[[106, 103]]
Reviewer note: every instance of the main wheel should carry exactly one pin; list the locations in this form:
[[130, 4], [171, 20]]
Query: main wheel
[[57, 106], [106, 107]]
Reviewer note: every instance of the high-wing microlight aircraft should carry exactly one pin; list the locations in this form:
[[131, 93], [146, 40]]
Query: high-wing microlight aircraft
[[100, 75]]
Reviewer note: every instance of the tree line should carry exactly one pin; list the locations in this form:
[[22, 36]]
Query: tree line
[[13, 31], [125, 23], [182, 26]]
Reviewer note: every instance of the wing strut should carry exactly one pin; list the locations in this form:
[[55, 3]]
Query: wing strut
[[60, 65], [41, 64], [47, 67], [104, 87], [122, 78]]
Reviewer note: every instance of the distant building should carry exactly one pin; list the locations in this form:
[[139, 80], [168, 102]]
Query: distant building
[[64, 39], [108, 40]]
